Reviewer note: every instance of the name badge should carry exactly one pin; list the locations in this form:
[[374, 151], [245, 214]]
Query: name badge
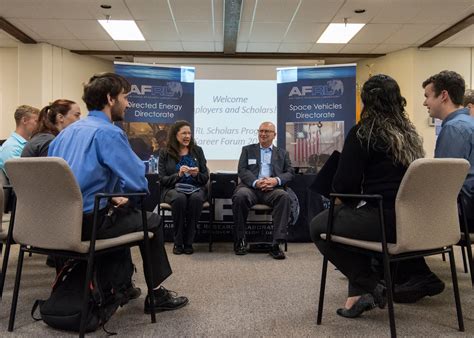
[[252, 161]]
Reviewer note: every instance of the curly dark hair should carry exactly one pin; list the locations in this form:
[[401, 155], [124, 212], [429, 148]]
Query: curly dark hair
[[95, 92], [47, 116], [173, 145], [384, 124], [450, 81]]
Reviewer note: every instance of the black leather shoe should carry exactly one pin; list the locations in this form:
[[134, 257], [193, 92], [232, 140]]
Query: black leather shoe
[[178, 249], [130, 293], [364, 303], [240, 247], [276, 252], [165, 300], [188, 249], [379, 295], [418, 287]]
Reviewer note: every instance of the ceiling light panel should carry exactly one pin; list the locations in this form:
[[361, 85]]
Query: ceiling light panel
[[340, 32], [122, 30]]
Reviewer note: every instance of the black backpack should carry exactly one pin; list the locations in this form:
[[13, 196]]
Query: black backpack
[[111, 277]]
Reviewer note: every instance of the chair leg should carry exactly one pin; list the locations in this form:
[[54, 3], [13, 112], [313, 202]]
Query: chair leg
[[16, 290], [464, 261], [85, 299], [211, 228], [388, 283], [469, 259], [456, 290], [444, 257], [6, 255], [322, 290]]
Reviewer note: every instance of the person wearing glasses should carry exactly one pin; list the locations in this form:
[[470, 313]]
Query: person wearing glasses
[[264, 170]]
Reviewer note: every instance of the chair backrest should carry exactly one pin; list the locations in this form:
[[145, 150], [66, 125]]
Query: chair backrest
[[426, 204], [4, 181], [49, 203], [223, 185]]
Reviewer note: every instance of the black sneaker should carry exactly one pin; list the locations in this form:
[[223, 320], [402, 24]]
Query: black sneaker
[[178, 249], [165, 300], [188, 249], [418, 287], [276, 252], [240, 247]]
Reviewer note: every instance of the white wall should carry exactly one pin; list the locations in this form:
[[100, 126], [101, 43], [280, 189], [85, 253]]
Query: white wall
[[41, 73]]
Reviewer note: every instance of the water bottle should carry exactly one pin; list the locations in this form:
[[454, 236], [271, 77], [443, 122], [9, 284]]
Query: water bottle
[[151, 164]]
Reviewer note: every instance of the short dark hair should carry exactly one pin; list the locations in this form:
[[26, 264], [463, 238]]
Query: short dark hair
[[468, 97], [450, 81], [95, 92], [24, 111]]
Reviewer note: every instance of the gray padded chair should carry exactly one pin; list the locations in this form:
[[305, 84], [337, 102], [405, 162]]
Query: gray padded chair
[[47, 219], [427, 223]]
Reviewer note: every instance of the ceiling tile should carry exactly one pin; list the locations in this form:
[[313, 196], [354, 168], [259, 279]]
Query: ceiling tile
[[444, 14], [193, 46], [195, 30], [190, 10], [166, 46], [410, 33], [463, 38], [158, 30], [119, 10], [48, 28], [385, 48], [149, 10], [295, 47], [86, 29], [67, 44], [218, 10], [218, 46], [275, 10], [133, 45], [318, 10], [327, 47], [371, 7], [71, 9], [242, 47], [24, 9], [218, 31], [244, 31], [398, 12], [247, 10], [24, 28], [375, 33], [358, 48], [304, 32], [100, 44], [262, 47], [267, 32]]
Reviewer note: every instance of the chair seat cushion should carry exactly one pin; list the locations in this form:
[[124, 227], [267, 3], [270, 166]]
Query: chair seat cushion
[[261, 207], [368, 245], [167, 206], [102, 244]]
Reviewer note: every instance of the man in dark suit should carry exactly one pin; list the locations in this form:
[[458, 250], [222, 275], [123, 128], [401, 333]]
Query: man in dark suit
[[263, 170]]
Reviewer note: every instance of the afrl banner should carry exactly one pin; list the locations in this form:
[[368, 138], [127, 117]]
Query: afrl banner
[[159, 94], [316, 108]]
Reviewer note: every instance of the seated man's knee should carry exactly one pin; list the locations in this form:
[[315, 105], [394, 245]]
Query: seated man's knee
[[180, 200]]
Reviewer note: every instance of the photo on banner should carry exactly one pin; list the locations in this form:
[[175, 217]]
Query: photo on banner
[[316, 109], [159, 97]]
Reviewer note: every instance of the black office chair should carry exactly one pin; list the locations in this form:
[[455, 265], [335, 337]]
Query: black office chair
[[466, 237]]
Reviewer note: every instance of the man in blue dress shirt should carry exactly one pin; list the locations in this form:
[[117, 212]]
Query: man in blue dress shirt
[[102, 160], [263, 171]]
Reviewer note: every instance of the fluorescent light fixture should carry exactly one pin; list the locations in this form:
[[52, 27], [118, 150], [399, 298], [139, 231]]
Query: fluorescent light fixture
[[125, 30], [340, 32]]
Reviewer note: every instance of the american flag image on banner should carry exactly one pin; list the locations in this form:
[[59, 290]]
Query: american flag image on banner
[[307, 142]]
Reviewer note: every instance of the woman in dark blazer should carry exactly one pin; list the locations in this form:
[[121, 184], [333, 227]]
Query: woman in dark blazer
[[183, 162]]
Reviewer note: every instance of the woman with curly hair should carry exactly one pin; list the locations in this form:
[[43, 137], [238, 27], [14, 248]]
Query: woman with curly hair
[[376, 154], [183, 177]]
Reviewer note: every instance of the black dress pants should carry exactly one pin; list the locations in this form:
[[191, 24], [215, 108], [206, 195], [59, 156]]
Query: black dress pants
[[186, 210], [244, 198], [125, 220]]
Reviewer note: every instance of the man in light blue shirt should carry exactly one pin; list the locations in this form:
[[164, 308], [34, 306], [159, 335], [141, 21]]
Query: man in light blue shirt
[[26, 119], [103, 162]]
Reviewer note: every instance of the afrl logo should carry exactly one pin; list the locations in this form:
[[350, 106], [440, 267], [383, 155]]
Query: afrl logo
[[172, 89], [331, 88]]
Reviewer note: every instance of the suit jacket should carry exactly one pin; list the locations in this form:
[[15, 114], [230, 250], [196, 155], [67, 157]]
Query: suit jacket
[[169, 175], [249, 164]]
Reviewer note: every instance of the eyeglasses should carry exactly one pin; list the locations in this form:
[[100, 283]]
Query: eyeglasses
[[265, 131]]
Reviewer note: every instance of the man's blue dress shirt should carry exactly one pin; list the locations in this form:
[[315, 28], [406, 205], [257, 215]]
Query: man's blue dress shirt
[[456, 140], [100, 158]]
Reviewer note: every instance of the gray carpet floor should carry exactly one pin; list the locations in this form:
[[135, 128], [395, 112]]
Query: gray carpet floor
[[249, 296]]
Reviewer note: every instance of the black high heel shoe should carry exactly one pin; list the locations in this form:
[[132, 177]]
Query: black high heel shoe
[[364, 303]]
